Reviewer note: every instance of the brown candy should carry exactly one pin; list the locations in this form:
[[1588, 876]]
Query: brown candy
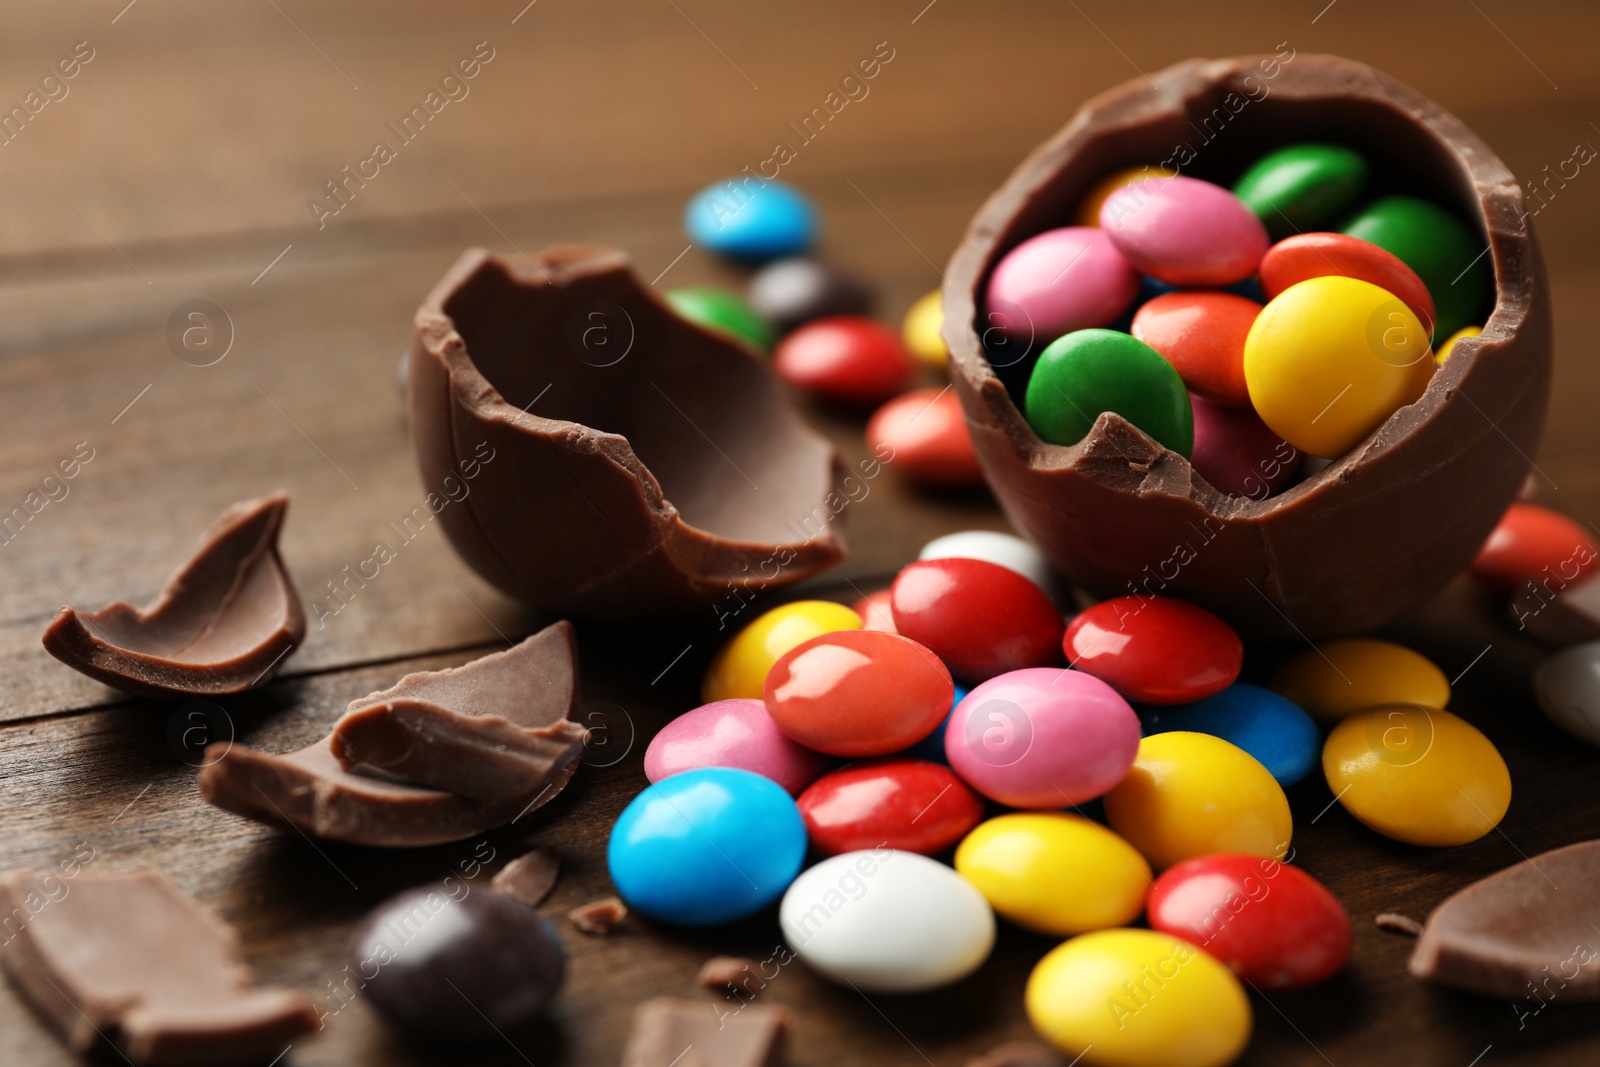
[[792, 292]]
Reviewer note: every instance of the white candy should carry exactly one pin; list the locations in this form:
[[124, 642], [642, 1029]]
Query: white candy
[[1012, 553], [887, 921], [1568, 687]]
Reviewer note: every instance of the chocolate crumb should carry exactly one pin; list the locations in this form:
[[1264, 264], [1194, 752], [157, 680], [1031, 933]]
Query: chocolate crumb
[[1396, 923], [721, 972], [530, 877], [667, 1030], [599, 917], [1018, 1054]]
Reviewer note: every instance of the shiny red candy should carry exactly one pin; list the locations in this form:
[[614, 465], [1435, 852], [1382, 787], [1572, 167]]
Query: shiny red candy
[[1274, 925], [1202, 335], [1535, 544], [875, 612], [1155, 649], [982, 619], [858, 693], [894, 803], [845, 359], [923, 435], [1317, 255]]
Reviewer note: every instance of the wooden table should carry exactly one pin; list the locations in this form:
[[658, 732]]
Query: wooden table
[[178, 166]]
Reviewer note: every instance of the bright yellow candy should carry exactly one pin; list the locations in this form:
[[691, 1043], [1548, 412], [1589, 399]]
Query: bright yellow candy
[[1188, 794], [921, 330], [1417, 774], [1055, 873], [1343, 677], [1329, 359], [740, 667], [1137, 998], [1444, 350], [1095, 198]]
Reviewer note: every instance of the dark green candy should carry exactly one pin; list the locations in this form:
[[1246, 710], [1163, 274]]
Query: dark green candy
[[1087, 372], [1303, 187], [1448, 257], [725, 312]]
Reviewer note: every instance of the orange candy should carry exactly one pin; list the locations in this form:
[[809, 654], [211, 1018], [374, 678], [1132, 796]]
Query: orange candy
[[1318, 255], [1202, 335], [1535, 544], [926, 435]]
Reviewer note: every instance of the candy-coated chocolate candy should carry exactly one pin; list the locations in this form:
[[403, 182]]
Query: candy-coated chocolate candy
[[845, 359], [1155, 649], [1060, 281], [1083, 374], [858, 693], [749, 219], [1535, 544], [1449, 346], [731, 733], [1184, 231], [740, 667], [1330, 359], [725, 312], [921, 330], [1189, 794], [875, 612], [792, 292], [1447, 255], [1568, 687], [1274, 925], [1303, 187], [1202, 335], [1343, 677], [1055, 873], [1281, 737], [886, 921], [1007, 550], [982, 619], [706, 847], [931, 748], [1089, 207], [1417, 774], [1238, 454], [1320, 255], [926, 435], [1042, 738], [1138, 998], [905, 804]]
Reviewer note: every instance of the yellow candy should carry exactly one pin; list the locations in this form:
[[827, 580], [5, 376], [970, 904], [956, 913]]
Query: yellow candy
[[1444, 350], [1137, 998], [921, 330], [1055, 873], [1095, 198], [740, 667], [1189, 794], [1417, 774], [1329, 359], [1343, 677]]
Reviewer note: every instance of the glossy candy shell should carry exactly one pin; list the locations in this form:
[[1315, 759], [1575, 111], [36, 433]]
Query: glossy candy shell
[[1184, 231], [1568, 687], [1320, 255], [1057, 282], [906, 804], [1155, 650], [1088, 372], [923, 435], [1303, 187], [1007, 550], [921, 330], [747, 219], [845, 359], [1238, 454], [1535, 544], [740, 667], [1343, 677], [718, 309], [732, 733], [1281, 737], [1445, 253], [1202, 335], [980, 618]]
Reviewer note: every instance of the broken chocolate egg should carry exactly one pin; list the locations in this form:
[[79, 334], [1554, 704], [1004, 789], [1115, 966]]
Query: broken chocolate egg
[[1375, 532]]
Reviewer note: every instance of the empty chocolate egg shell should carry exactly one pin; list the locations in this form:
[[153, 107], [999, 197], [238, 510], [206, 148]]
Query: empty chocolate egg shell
[[1375, 532]]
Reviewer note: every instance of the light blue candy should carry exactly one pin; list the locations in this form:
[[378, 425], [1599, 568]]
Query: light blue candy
[[1272, 729], [748, 219], [707, 847]]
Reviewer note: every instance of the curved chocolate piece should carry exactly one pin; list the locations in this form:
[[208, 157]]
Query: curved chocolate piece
[[627, 462], [128, 960], [528, 689], [1525, 932], [1377, 531], [223, 624]]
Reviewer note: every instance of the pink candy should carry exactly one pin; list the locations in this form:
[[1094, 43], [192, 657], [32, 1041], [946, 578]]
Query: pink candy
[[1236, 452], [1060, 281], [1184, 231], [732, 733]]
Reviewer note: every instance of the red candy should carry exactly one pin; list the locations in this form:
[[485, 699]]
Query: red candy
[[1236, 452], [858, 693], [1202, 335], [1274, 925], [982, 619], [1155, 649], [846, 359], [875, 612], [895, 803], [924, 435], [1317, 255], [1535, 544]]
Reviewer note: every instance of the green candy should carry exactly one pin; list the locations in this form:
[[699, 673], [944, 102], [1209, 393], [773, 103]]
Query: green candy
[[1447, 256], [1087, 372], [724, 312], [1303, 187]]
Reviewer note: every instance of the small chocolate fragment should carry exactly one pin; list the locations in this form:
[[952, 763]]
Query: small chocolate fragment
[[127, 961], [472, 968], [1522, 932], [1019, 1054], [721, 973], [223, 624], [533, 685], [530, 877], [686, 1033], [1568, 617], [792, 292], [599, 917], [1396, 923]]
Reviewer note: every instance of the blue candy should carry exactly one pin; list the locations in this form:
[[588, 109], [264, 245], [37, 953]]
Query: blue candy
[[707, 846], [1273, 730], [749, 219], [931, 748]]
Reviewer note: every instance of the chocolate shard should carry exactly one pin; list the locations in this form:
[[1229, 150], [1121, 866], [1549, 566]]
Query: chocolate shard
[[1396, 923], [1019, 1054], [128, 961], [531, 686], [530, 877], [599, 917], [720, 973], [223, 624], [687, 1033], [1522, 932]]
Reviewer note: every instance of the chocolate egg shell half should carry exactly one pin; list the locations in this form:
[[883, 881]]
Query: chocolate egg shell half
[[618, 461], [1375, 532]]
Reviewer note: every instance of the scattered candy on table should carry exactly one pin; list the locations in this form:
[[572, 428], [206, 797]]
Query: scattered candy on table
[[1156, 649], [1085, 373], [1535, 544], [1448, 257], [926, 435], [1202, 335], [1007, 550], [845, 359], [980, 618], [1280, 736], [922, 330], [732, 733], [1184, 231], [1303, 187], [1320, 255], [1060, 281], [749, 219], [1237, 453], [905, 804], [740, 667], [1340, 678], [1568, 688], [725, 312], [793, 292]]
